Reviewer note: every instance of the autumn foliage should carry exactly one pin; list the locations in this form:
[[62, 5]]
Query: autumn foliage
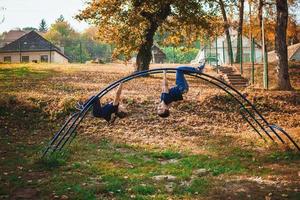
[[131, 24]]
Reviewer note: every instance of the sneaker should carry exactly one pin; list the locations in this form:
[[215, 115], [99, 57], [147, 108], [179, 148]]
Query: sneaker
[[201, 67], [80, 105]]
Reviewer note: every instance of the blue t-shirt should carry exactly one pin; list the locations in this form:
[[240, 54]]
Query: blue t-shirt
[[174, 95], [104, 112], [108, 110]]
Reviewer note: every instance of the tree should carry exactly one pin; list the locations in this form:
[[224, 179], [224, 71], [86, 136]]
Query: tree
[[240, 31], [131, 24], [61, 33], [226, 29], [280, 45], [43, 26], [79, 47], [2, 18], [60, 19], [29, 29]]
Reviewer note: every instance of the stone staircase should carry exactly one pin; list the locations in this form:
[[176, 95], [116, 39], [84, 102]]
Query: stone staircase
[[233, 78]]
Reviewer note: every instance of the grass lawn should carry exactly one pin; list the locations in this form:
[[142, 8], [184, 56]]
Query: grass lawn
[[204, 150]]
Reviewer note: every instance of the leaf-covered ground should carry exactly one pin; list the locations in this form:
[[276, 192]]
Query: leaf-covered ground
[[204, 150]]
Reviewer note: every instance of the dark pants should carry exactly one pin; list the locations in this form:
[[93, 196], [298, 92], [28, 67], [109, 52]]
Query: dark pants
[[180, 79], [97, 109]]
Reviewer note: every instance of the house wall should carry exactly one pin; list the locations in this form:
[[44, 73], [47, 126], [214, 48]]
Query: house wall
[[223, 57], [15, 57], [296, 56], [58, 58]]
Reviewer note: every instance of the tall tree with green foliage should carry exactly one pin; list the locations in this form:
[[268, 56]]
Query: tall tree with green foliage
[[43, 26], [131, 24]]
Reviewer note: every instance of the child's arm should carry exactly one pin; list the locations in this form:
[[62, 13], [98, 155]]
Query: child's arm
[[165, 87], [118, 95]]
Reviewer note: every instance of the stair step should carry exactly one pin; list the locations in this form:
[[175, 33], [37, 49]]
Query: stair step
[[234, 75], [239, 83], [237, 79], [227, 72]]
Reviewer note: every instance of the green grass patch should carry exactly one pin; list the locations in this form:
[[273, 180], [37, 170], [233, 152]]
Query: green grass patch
[[144, 189], [198, 186], [22, 72], [53, 160], [168, 154], [284, 156]]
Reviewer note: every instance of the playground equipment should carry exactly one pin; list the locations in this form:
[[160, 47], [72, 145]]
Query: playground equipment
[[248, 111]]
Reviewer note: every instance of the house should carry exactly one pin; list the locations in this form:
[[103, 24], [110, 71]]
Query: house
[[11, 36], [217, 50], [32, 47], [293, 54], [158, 56]]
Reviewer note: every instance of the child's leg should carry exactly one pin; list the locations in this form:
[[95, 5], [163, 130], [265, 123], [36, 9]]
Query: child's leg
[[180, 79], [97, 110]]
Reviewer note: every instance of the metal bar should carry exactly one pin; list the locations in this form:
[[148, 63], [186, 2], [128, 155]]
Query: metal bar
[[58, 133], [265, 56], [82, 114], [286, 134], [252, 116], [74, 122], [223, 47], [217, 55], [173, 70], [252, 59], [241, 53], [245, 118]]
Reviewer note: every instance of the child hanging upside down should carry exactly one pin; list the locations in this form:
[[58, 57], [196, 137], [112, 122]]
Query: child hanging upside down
[[109, 111], [175, 93]]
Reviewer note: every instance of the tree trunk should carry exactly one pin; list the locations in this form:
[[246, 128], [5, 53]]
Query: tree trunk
[[280, 45], [144, 55], [240, 31], [260, 18], [260, 15], [227, 33]]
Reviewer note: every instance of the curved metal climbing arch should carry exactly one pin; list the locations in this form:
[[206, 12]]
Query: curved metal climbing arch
[[248, 111]]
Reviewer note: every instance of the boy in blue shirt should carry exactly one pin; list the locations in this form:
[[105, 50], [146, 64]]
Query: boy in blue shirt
[[109, 111], [175, 93]]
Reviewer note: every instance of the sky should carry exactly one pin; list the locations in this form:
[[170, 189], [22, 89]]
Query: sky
[[24, 13]]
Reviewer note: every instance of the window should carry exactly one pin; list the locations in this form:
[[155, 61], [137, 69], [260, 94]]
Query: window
[[7, 59], [44, 58], [25, 59]]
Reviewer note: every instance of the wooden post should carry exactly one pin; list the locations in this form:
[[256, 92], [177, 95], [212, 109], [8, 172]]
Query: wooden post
[[20, 52], [50, 57], [80, 46], [265, 59], [209, 52], [217, 65], [223, 47], [241, 53], [252, 59]]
